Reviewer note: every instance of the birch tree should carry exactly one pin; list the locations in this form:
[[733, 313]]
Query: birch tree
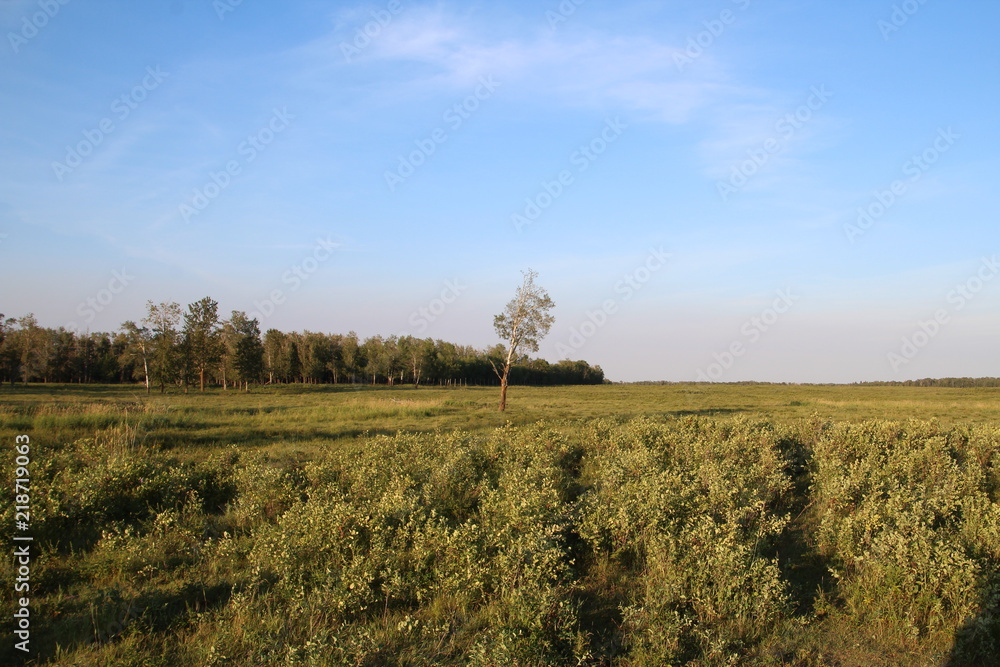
[[164, 357], [524, 322], [137, 347]]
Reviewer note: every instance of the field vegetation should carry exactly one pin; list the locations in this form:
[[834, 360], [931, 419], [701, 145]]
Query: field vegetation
[[588, 525]]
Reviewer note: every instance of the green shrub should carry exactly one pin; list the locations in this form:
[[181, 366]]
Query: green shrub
[[688, 507], [909, 519]]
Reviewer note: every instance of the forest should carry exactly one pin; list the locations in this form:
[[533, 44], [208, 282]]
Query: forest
[[171, 347]]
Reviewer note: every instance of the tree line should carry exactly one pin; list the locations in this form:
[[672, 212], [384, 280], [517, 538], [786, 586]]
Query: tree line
[[960, 383], [173, 347]]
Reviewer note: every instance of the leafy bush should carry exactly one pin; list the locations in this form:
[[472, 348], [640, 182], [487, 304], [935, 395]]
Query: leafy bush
[[416, 542], [688, 507], [110, 481], [910, 521], [627, 542]]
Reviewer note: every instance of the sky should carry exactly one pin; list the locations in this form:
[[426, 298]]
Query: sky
[[785, 191]]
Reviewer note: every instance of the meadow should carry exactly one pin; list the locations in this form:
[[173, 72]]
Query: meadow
[[590, 525]]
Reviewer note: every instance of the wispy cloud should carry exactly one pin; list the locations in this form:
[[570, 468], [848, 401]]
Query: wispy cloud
[[428, 50]]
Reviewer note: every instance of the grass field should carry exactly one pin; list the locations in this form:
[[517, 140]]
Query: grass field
[[304, 417], [615, 524]]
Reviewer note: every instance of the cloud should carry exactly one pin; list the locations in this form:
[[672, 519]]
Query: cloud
[[425, 51]]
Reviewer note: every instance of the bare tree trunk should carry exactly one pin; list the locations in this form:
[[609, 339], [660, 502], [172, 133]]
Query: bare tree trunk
[[506, 372], [503, 392]]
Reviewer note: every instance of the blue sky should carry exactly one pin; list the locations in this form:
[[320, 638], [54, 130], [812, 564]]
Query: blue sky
[[688, 178]]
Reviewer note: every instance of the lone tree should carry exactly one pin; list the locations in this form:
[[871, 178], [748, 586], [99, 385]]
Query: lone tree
[[524, 322]]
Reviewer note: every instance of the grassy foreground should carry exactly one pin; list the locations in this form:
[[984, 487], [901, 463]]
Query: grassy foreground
[[625, 525]]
